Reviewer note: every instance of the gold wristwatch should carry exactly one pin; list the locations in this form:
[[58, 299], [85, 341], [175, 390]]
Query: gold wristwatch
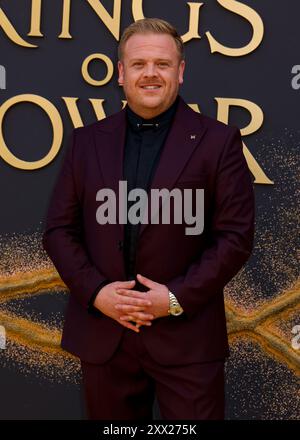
[[175, 308]]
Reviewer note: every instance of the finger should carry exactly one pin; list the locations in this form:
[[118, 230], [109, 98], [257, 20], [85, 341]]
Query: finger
[[128, 325], [140, 322], [131, 292], [126, 318], [138, 315], [126, 284], [134, 302], [133, 297], [146, 281], [129, 308]]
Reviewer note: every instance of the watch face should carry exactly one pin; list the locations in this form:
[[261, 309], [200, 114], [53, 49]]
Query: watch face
[[177, 310]]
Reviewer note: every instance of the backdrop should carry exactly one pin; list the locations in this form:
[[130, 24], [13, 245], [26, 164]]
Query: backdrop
[[57, 71]]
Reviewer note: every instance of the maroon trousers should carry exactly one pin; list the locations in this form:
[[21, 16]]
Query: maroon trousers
[[124, 388]]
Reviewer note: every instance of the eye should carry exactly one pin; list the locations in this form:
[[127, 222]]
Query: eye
[[163, 64]]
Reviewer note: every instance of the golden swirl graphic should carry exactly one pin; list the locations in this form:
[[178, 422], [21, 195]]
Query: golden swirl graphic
[[261, 325]]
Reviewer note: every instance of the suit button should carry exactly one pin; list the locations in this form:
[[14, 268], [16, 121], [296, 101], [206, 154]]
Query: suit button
[[120, 245]]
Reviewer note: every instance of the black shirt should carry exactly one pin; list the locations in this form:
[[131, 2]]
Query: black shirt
[[144, 143]]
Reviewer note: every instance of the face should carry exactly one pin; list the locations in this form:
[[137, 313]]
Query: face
[[150, 73]]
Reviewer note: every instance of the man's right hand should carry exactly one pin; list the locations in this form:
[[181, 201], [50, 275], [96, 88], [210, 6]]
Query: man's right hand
[[107, 298]]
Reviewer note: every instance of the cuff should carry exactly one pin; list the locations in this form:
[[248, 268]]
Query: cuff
[[91, 309]]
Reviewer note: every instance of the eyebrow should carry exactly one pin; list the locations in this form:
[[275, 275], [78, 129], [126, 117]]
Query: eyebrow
[[134, 60]]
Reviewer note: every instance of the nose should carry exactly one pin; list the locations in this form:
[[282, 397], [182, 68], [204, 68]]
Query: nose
[[150, 70]]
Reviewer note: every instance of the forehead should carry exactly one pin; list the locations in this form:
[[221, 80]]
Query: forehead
[[149, 45]]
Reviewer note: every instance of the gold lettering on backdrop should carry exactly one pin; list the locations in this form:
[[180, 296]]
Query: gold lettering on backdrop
[[256, 122], [71, 104], [35, 30], [97, 104], [98, 108], [252, 17], [57, 127], [137, 13], [65, 27], [10, 31], [194, 22], [111, 22], [109, 66], [137, 10], [195, 107]]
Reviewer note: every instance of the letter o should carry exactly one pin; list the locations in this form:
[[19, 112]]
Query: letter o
[[109, 66], [57, 127]]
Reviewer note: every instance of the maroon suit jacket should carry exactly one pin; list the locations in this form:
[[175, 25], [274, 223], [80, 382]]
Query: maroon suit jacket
[[199, 152]]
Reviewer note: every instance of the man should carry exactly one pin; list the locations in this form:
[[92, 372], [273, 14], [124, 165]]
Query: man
[[146, 307]]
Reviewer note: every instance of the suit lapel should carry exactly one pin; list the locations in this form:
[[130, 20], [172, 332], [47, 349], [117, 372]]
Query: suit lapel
[[110, 143], [184, 136]]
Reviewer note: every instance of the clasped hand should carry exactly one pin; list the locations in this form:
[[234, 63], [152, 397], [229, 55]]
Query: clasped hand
[[121, 302]]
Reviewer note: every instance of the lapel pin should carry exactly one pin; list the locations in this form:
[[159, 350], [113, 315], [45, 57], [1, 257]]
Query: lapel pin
[[193, 136]]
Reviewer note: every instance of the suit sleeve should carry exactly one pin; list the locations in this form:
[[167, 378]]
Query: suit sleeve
[[62, 238], [91, 308], [231, 232]]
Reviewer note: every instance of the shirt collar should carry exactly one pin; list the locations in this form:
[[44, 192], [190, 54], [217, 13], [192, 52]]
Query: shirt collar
[[164, 118]]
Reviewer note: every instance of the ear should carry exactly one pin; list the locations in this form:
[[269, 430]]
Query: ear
[[121, 73], [181, 70]]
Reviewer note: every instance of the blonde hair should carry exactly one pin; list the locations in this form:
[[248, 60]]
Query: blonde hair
[[154, 26]]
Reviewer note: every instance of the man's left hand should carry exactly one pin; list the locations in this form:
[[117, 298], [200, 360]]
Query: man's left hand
[[158, 294]]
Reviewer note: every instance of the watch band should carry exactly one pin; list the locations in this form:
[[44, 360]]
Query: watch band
[[175, 308]]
